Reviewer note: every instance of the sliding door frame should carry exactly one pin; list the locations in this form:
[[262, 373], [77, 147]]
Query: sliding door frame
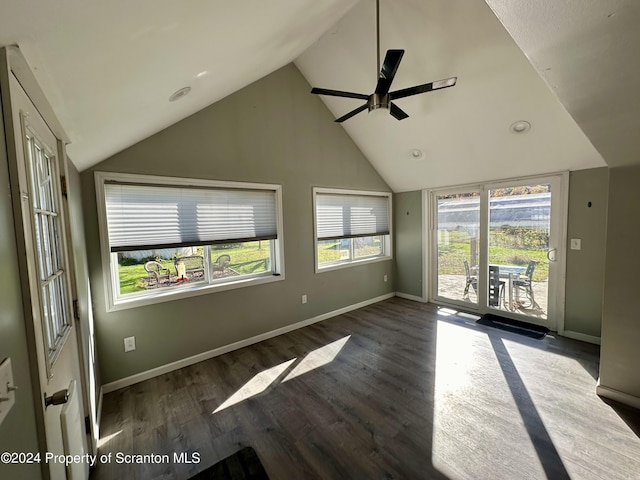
[[558, 241]]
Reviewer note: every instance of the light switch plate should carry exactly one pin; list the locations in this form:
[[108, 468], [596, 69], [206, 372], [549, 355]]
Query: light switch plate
[[129, 344], [7, 388], [576, 244]]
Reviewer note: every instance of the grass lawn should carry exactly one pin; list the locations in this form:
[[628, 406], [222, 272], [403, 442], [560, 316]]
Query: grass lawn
[[250, 257], [331, 250], [451, 256]]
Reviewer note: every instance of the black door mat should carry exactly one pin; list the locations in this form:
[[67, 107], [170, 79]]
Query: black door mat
[[242, 465], [515, 326]]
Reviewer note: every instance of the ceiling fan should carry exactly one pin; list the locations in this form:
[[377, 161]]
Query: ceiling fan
[[382, 98]]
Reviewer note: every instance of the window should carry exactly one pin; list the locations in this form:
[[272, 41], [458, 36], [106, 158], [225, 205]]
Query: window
[[351, 227], [166, 238], [48, 230]]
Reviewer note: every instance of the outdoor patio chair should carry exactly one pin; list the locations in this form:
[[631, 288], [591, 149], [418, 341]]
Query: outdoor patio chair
[[524, 284], [156, 274], [194, 266], [221, 263], [472, 280], [496, 287]]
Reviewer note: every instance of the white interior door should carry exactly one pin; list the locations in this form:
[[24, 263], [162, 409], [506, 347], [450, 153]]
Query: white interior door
[[500, 248], [46, 284]]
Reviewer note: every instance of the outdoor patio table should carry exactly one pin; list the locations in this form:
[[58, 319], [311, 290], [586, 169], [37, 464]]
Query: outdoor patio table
[[511, 273]]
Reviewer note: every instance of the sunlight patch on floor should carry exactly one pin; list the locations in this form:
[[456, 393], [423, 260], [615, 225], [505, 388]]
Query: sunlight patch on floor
[[455, 358], [262, 381], [469, 387], [318, 358], [104, 440], [256, 385]]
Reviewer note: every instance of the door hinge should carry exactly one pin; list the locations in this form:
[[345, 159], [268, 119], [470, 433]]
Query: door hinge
[[76, 310], [63, 186], [87, 425]]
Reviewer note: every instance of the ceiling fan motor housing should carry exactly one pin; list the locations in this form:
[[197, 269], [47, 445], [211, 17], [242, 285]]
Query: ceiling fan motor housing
[[377, 101]]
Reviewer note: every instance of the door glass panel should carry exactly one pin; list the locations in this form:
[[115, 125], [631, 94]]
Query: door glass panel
[[49, 249], [458, 230], [519, 228]]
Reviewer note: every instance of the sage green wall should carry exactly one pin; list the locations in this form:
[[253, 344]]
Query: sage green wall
[[620, 348], [585, 268], [272, 131], [407, 216], [18, 430]]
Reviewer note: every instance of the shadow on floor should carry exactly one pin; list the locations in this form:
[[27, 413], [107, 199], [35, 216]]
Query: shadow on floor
[[630, 415]]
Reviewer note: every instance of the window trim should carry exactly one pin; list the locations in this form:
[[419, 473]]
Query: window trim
[[114, 301], [388, 247]]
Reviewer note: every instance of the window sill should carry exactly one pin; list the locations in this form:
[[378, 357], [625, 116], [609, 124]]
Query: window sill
[[191, 291], [353, 263]]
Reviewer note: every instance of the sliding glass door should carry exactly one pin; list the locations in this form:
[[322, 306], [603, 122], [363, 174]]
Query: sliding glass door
[[519, 241], [457, 253], [499, 248]]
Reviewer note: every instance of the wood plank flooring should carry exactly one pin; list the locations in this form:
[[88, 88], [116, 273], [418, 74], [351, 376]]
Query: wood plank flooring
[[395, 390]]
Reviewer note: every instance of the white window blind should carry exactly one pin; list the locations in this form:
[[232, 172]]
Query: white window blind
[[349, 216], [159, 216]]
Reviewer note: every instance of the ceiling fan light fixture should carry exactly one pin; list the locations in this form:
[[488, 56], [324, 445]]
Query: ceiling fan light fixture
[[378, 104], [521, 126]]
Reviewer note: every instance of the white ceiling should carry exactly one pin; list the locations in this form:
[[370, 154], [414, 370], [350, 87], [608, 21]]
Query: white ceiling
[[463, 131], [587, 52], [108, 69]]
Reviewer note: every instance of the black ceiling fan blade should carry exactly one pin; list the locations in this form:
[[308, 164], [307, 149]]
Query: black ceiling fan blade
[[427, 87], [352, 113], [388, 71], [339, 93], [397, 112]]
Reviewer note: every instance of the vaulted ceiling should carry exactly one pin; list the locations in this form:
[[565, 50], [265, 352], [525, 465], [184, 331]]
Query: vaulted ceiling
[[108, 69]]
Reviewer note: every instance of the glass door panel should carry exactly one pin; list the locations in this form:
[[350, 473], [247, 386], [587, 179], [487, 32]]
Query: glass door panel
[[519, 232], [457, 246]]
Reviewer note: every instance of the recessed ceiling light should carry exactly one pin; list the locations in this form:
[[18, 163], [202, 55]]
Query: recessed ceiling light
[[179, 94], [416, 154], [521, 126]]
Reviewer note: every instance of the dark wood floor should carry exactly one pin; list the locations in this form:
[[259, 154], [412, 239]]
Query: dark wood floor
[[398, 389]]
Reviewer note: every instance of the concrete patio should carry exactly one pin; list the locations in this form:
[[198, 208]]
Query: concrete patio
[[452, 287]]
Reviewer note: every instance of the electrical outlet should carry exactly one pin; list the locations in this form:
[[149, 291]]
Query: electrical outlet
[[304, 298], [576, 244], [384, 278], [129, 344]]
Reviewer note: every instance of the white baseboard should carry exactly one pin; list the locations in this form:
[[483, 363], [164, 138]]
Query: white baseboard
[[185, 362], [618, 396], [581, 336], [415, 298]]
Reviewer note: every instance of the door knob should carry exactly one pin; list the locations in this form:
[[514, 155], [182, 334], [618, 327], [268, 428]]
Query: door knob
[[57, 398]]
